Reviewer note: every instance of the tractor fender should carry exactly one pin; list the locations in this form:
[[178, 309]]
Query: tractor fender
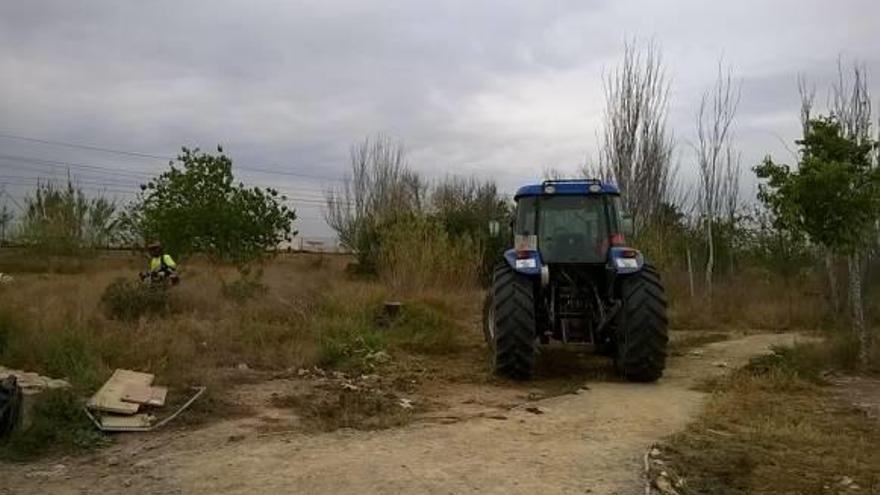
[[624, 262], [530, 265]]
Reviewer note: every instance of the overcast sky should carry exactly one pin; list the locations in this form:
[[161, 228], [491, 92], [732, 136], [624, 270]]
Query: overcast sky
[[501, 89]]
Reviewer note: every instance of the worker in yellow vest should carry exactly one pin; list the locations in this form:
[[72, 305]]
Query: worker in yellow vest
[[162, 265]]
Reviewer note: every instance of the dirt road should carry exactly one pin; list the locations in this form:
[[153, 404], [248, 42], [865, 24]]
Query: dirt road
[[588, 442]]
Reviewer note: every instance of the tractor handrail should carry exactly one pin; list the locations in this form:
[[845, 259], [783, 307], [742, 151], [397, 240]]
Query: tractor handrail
[[571, 181]]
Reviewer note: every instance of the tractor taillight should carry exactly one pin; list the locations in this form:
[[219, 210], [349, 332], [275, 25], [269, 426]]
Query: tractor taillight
[[617, 240], [521, 255]]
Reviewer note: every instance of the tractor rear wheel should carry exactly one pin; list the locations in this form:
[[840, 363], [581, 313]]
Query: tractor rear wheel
[[509, 323], [641, 327]]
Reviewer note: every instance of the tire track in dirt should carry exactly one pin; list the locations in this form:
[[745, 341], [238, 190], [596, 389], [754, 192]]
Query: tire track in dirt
[[590, 442]]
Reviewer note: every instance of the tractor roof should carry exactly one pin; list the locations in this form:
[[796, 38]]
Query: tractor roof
[[568, 187]]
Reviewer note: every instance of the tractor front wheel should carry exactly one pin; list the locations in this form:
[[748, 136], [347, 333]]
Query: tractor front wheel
[[509, 323], [641, 327]]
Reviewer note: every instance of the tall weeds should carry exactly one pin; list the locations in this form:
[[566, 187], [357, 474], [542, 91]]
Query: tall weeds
[[419, 254], [59, 220]]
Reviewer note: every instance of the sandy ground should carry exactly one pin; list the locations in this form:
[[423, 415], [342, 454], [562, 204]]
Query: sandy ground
[[591, 441]]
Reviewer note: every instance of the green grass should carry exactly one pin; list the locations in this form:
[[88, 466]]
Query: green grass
[[71, 352], [425, 327], [348, 334]]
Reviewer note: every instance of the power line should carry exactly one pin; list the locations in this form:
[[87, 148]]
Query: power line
[[96, 169], [139, 154], [11, 198], [64, 164], [291, 196]]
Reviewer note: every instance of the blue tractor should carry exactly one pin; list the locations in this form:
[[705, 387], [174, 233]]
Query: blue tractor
[[571, 278]]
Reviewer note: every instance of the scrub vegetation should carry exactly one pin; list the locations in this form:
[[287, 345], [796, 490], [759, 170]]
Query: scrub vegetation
[[246, 310]]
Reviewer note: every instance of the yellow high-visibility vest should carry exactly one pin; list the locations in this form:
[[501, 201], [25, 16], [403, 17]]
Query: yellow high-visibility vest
[[156, 263]]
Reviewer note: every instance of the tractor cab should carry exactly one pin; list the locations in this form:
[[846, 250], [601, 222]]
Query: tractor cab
[[570, 277], [570, 222]]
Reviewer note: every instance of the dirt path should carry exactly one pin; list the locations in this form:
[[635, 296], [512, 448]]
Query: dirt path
[[589, 442]]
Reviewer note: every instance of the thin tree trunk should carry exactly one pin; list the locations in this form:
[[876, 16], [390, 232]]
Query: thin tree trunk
[[858, 314], [690, 271], [710, 260], [790, 296], [833, 291]]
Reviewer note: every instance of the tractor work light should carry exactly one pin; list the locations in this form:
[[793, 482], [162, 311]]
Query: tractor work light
[[594, 188], [549, 189]]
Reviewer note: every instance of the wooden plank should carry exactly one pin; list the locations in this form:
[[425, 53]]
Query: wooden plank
[[111, 421], [158, 397], [145, 395], [139, 394], [109, 396]]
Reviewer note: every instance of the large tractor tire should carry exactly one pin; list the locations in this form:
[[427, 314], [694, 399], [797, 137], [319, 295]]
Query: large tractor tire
[[641, 327], [509, 323]]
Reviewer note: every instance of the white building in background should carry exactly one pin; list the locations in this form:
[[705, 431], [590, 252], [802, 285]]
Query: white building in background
[[316, 244]]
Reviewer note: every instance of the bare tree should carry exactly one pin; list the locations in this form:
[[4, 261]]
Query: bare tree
[[807, 94], [850, 103], [717, 163], [636, 146], [380, 187]]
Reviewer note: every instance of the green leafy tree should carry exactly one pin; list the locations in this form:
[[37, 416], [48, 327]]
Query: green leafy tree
[[833, 197], [197, 206]]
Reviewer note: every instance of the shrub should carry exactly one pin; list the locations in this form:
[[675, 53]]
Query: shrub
[[380, 190], [200, 208], [62, 221], [128, 300], [418, 253], [465, 207]]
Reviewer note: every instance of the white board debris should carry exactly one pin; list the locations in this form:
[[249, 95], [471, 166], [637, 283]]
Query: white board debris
[[109, 396]]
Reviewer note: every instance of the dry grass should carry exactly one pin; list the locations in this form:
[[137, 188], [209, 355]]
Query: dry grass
[[773, 429], [681, 342], [753, 300], [420, 255], [58, 325], [308, 311], [331, 408]]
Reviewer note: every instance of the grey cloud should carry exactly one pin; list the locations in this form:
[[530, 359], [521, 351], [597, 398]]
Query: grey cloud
[[499, 88]]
